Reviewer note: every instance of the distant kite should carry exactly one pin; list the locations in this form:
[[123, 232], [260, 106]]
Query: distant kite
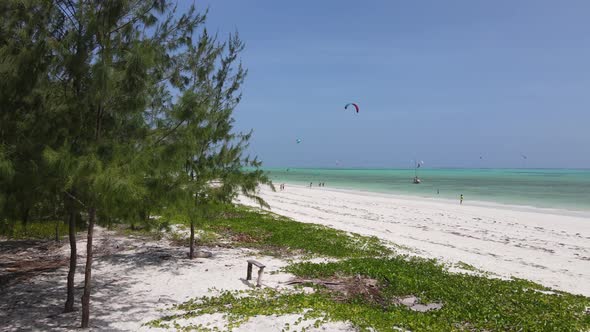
[[353, 104], [523, 156], [298, 140]]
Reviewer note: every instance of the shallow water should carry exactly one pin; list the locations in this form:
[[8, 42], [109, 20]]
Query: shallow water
[[546, 188]]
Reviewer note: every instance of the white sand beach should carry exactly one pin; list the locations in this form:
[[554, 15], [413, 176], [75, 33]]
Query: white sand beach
[[550, 247], [136, 280]]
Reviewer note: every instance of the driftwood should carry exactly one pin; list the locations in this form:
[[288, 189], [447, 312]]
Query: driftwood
[[343, 289], [346, 288], [298, 281], [21, 260]]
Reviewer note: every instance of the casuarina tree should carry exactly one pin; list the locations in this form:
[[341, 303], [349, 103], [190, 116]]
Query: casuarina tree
[[111, 108]]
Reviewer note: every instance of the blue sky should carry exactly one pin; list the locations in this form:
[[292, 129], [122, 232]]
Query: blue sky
[[441, 81]]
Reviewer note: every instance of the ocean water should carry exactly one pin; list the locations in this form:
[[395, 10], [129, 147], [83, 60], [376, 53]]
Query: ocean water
[[546, 188]]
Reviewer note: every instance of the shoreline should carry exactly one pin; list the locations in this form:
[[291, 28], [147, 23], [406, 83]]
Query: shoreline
[[466, 202], [551, 189], [550, 247]]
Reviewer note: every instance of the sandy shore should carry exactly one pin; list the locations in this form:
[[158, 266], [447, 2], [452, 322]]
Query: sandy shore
[[550, 247]]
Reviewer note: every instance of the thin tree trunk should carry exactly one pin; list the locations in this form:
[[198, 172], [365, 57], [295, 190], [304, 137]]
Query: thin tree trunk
[[88, 271], [12, 225], [143, 216], [57, 221], [25, 219], [56, 231], [73, 261], [192, 245]]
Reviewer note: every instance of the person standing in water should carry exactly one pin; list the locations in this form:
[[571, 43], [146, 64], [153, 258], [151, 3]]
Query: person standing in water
[[461, 199]]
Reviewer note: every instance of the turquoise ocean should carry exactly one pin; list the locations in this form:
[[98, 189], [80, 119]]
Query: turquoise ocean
[[546, 188]]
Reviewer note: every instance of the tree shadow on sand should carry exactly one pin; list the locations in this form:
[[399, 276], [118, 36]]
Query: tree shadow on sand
[[37, 303], [21, 260]]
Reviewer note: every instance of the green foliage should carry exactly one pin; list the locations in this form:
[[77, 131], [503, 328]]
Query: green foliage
[[471, 303], [124, 106], [40, 230], [468, 267], [6, 169], [277, 234], [243, 305], [117, 108], [479, 302], [24, 28]]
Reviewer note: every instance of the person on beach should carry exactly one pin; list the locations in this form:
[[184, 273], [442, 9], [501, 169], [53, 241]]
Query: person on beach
[[461, 199], [310, 184], [437, 192]]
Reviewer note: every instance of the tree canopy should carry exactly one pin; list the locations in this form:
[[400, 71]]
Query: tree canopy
[[117, 109]]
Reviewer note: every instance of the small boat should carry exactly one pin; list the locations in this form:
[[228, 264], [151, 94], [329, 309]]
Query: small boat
[[416, 178]]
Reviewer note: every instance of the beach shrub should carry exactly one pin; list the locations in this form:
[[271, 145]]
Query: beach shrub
[[38, 230], [277, 234], [469, 303]]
